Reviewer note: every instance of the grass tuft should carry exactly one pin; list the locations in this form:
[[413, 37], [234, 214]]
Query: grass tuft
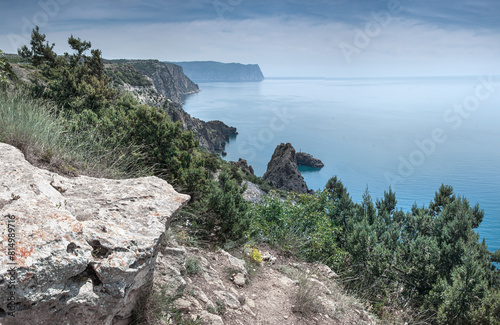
[[305, 299]]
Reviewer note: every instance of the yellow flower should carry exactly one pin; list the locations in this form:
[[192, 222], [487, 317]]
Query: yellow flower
[[256, 256]]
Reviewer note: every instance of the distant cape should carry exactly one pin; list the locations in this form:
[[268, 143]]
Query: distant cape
[[211, 71]]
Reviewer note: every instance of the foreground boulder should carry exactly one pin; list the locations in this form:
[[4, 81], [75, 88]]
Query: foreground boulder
[[305, 159], [85, 248], [283, 172]]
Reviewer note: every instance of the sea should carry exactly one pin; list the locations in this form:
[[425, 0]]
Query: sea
[[411, 134]]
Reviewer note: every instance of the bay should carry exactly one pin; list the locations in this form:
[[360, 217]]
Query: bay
[[412, 134]]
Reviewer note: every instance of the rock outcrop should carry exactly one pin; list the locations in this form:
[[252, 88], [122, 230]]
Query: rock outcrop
[[210, 71], [242, 164], [253, 193], [283, 172], [222, 128], [305, 159], [84, 249], [212, 135]]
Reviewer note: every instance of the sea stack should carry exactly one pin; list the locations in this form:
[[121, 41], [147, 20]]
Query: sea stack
[[283, 172], [305, 159]]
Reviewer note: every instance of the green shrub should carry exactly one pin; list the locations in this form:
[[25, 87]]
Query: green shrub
[[76, 81], [126, 73], [193, 266], [6, 72], [429, 259], [299, 225]]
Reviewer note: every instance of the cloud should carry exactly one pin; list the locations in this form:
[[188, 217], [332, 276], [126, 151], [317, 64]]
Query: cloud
[[295, 38], [301, 47], [459, 13]]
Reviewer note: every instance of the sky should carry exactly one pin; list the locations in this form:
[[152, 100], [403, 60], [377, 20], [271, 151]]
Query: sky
[[287, 38]]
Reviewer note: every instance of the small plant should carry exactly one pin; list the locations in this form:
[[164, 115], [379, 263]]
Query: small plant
[[253, 259], [256, 256], [253, 254], [305, 298], [193, 266], [184, 238], [220, 308], [157, 308], [286, 270]]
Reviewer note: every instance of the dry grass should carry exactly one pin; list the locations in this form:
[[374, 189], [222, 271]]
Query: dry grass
[[32, 126], [305, 298]]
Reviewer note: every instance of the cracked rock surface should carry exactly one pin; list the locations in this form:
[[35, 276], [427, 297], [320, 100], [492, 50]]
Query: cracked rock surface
[[85, 248]]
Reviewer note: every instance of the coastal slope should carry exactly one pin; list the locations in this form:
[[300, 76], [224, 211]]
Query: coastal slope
[[164, 85]]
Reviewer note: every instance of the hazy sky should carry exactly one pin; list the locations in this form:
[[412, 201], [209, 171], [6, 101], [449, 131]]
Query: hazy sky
[[328, 38]]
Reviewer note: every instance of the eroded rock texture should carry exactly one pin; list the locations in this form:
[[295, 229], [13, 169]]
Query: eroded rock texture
[[85, 248]]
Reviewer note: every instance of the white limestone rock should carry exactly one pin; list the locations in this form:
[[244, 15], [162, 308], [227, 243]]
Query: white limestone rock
[[85, 247]]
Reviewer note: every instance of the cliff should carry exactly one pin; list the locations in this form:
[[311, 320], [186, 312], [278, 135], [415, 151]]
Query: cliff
[[282, 171], [82, 250], [164, 85], [166, 79], [210, 71]]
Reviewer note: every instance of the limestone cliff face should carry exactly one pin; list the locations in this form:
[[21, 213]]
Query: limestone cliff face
[[85, 248], [167, 79], [210, 71], [283, 172]]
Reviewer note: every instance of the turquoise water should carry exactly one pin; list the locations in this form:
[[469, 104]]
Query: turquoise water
[[409, 133]]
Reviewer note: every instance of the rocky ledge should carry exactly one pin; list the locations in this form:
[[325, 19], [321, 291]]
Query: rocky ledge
[[85, 248], [283, 172], [305, 159]]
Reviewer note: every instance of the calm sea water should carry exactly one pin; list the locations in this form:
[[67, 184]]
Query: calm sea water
[[409, 133]]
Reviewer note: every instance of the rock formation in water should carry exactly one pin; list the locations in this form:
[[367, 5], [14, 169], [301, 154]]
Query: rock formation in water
[[305, 159], [210, 71], [85, 248], [283, 172]]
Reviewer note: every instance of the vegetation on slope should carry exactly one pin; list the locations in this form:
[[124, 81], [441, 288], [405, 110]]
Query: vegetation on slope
[[425, 265], [422, 266], [124, 73]]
